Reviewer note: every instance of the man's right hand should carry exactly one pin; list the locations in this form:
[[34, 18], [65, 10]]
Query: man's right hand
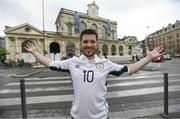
[[30, 47]]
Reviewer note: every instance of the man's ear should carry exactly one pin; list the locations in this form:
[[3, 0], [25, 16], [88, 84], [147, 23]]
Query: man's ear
[[80, 46]]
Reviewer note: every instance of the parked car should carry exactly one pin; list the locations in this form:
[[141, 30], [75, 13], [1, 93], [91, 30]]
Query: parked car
[[168, 56], [159, 59], [177, 55]]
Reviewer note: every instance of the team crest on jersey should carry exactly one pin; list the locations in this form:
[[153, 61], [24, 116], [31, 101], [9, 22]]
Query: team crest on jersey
[[100, 66]]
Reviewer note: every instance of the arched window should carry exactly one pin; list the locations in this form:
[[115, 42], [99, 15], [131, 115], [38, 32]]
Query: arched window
[[23, 45], [94, 27], [130, 50], [103, 32], [82, 26], [113, 50], [70, 49], [113, 34], [121, 50], [69, 29], [105, 50]]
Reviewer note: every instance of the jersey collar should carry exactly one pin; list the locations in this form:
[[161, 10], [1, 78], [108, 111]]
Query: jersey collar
[[85, 59]]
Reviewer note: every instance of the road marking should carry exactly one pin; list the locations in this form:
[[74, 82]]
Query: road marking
[[144, 112], [48, 78], [145, 76], [68, 77], [69, 97], [130, 83], [69, 81]]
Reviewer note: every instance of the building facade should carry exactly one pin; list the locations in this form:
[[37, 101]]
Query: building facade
[[130, 46], [65, 41], [168, 37]]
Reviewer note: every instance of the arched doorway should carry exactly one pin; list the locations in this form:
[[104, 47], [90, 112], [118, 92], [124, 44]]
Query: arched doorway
[[70, 49], [55, 51], [104, 50], [26, 56], [113, 50]]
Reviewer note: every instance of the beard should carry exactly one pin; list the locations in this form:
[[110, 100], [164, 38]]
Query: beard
[[90, 54]]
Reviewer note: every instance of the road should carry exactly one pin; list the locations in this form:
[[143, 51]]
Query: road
[[49, 94]]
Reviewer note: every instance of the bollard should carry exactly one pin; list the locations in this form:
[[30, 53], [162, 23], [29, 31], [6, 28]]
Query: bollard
[[166, 113], [23, 99]]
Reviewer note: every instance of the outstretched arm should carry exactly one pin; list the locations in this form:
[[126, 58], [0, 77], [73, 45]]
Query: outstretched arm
[[30, 47], [133, 68]]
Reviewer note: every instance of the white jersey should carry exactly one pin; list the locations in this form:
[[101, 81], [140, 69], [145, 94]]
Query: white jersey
[[89, 80]]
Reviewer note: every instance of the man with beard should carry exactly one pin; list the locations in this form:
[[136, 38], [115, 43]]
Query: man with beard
[[89, 75]]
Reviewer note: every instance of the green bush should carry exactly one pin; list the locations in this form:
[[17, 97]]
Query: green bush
[[2, 52]]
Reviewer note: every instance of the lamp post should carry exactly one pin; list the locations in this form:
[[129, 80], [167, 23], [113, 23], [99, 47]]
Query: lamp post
[[146, 42], [44, 50]]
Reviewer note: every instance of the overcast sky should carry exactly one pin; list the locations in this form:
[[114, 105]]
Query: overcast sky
[[134, 17]]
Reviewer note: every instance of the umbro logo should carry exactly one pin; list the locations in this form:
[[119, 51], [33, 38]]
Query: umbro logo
[[77, 66]]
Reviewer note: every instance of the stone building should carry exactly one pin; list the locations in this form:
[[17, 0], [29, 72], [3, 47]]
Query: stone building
[[65, 41], [130, 45], [169, 37]]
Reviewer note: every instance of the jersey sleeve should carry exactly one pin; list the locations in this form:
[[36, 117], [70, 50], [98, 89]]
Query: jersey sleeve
[[60, 65], [117, 70]]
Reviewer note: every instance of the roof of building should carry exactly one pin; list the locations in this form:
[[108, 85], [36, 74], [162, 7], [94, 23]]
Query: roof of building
[[126, 37], [82, 15]]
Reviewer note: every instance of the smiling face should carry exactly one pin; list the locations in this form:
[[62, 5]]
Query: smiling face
[[89, 45]]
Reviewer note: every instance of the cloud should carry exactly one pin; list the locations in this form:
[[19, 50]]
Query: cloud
[[132, 16], [15, 13], [135, 20]]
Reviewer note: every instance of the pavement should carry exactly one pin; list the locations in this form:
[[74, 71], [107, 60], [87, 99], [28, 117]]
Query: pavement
[[55, 112], [31, 71], [25, 75]]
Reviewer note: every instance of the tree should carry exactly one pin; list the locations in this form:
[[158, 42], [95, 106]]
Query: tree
[[2, 52]]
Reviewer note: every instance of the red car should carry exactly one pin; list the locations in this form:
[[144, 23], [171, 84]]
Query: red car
[[159, 59]]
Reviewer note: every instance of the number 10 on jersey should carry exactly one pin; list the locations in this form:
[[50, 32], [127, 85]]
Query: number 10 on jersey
[[88, 75]]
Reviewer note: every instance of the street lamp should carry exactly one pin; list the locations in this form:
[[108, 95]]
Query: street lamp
[[44, 50]]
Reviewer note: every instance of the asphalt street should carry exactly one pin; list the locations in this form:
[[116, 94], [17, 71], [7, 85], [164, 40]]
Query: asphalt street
[[49, 93]]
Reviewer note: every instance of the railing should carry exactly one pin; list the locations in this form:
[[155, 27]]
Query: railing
[[23, 99], [166, 97]]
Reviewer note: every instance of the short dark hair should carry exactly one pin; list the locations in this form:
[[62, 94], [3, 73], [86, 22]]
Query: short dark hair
[[88, 31]]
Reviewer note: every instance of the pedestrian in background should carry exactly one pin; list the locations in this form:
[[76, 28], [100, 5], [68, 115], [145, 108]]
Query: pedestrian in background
[[89, 75], [133, 58], [137, 58]]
